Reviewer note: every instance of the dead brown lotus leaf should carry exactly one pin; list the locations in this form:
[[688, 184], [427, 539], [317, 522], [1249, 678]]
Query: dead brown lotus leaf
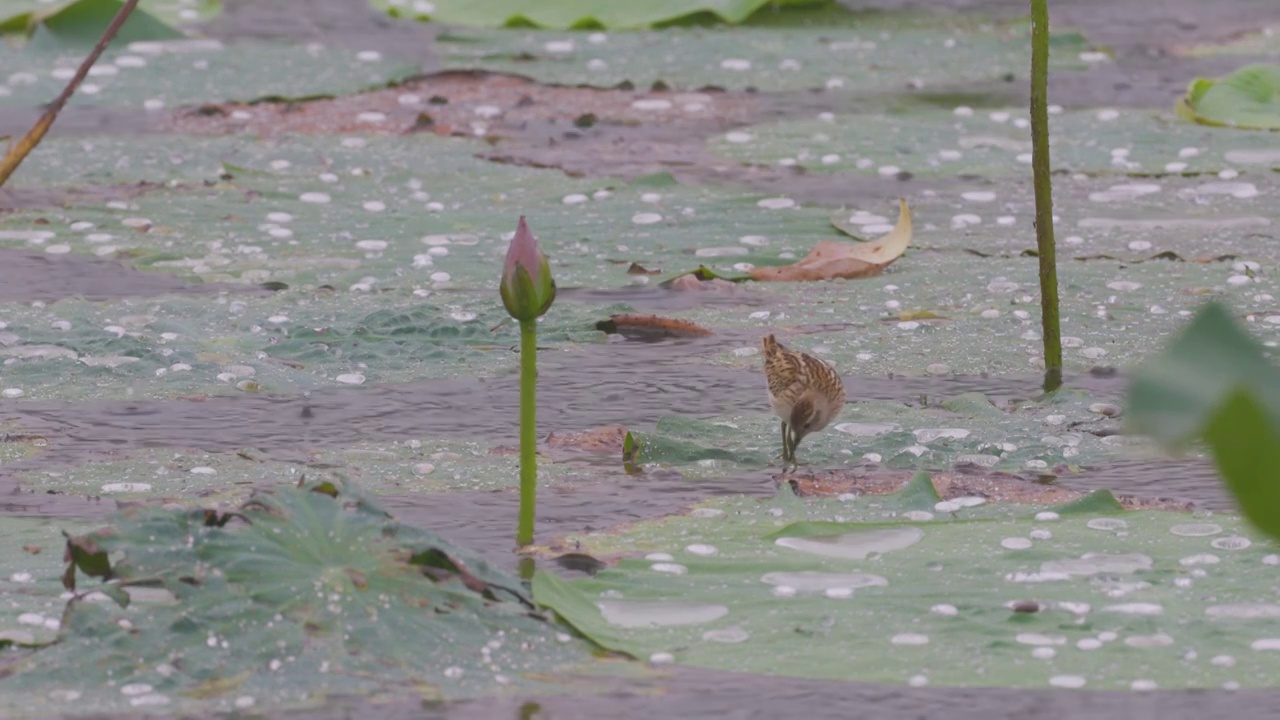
[[652, 325], [607, 439], [837, 259]]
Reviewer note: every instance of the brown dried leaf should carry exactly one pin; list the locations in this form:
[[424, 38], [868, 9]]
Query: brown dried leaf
[[652, 325], [608, 439], [836, 259], [637, 269]]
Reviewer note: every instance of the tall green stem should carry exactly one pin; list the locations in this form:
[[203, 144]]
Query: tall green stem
[[1044, 195], [528, 430]]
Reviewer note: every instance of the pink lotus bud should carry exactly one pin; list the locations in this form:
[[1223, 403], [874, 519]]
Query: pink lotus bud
[[527, 288]]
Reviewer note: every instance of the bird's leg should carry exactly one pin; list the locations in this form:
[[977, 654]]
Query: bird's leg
[[795, 443]]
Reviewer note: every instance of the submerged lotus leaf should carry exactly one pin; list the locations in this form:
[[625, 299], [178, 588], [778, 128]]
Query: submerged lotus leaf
[[959, 140], [162, 71], [825, 46], [296, 595], [867, 590], [570, 14]]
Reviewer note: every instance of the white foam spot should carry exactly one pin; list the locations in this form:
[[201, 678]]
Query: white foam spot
[[646, 218], [729, 635], [350, 379], [1034, 638], [1231, 542], [779, 203], [1015, 543], [1200, 559], [314, 197], [650, 614], [856, 545], [125, 487], [1244, 610], [1136, 608], [651, 104], [1108, 524], [909, 639], [1148, 641], [867, 429]]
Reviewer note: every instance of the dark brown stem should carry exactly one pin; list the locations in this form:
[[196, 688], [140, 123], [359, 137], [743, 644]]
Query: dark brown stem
[[23, 147]]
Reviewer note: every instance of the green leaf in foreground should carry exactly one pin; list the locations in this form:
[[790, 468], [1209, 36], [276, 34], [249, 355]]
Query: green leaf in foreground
[[1000, 595], [1246, 448], [299, 595], [1175, 394], [1248, 98]]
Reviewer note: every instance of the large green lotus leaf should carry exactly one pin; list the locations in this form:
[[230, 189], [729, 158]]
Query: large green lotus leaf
[[993, 595], [567, 14], [995, 142], [299, 596], [1248, 98], [829, 47], [153, 74]]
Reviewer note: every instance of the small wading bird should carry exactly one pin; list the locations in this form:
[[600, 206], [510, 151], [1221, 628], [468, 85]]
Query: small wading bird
[[804, 391]]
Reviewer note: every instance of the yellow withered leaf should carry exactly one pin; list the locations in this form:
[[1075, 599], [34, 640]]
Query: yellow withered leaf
[[836, 259]]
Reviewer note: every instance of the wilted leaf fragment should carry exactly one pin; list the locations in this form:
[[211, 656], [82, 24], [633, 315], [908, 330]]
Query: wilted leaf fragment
[[1248, 98], [86, 555], [836, 259]]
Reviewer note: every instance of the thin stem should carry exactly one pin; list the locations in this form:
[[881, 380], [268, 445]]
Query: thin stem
[[1044, 195], [19, 151], [528, 430]]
